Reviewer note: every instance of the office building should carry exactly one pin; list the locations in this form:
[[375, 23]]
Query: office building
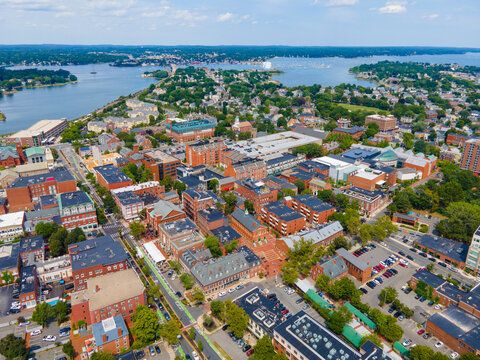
[[204, 153], [77, 210], [182, 130], [40, 133], [256, 192], [385, 123], [111, 177]]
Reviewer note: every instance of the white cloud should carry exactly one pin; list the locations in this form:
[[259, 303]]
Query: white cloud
[[431, 17], [393, 7], [339, 2], [225, 17]]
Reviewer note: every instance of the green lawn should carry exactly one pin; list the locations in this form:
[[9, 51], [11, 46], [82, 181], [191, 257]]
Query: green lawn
[[363, 108]]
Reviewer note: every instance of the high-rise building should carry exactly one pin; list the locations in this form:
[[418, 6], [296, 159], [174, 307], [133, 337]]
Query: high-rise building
[[471, 156], [473, 256]]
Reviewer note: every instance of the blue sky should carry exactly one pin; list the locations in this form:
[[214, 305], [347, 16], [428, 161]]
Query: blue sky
[[242, 22]]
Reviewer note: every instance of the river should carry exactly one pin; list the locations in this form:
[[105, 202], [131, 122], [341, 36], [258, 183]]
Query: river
[[24, 108]]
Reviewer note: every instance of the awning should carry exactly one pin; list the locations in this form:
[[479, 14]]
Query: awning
[[154, 252]]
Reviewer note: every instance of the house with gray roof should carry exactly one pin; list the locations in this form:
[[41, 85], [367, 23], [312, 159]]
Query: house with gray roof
[[356, 266], [334, 267]]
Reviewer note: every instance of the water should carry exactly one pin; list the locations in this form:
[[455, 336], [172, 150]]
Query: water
[[94, 90], [71, 101]]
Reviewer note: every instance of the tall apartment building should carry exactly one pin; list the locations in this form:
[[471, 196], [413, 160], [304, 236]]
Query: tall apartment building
[[471, 156], [385, 123], [248, 168], [256, 192], [24, 191], [189, 130], [314, 210], [195, 201], [77, 210], [473, 256], [161, 165], [204, 153], [91, 258], [282, 218]]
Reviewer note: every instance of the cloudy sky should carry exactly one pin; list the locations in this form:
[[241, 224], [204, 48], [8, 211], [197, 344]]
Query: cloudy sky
[[242, 22]]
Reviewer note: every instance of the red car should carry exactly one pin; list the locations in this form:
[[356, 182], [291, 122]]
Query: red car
[[355, 254], [249, 352], [421, 331], [381, 266], [402, 265]]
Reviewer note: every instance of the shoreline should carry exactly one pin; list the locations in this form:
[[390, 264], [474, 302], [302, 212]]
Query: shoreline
[[37, 86]]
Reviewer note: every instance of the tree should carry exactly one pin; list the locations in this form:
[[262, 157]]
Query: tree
[[366, 233], [146, 326], [46, 229], [344, 289], [54, 153], [263, 350], [388, 294], [230, 246], [212, 244], [468, 356], [421, 352], [288, 192], [236, 318], [420, 146], [408, 140], [43, 313], [353, 224], [69, 350], [230, 200], [280, 356], [99, 355], [450, 192], [170, 331], [339, 319], [218, 309], [13, 348], [136, 229], [61, 310], [249, 206], [191, 333], [200, 345], [300, 184], [289, 274], [187, 281], [323, 282], [387, 227], [57, 242], [207, 321], [197, 295], [213, 185], [463, 220], [373, 338]]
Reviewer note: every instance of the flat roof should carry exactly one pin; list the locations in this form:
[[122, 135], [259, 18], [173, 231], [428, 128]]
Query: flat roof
[[12, 219], [112, 288], [59, 175], [112, 174], [154, 251], [37, 128], [428, 278], [453, 249]]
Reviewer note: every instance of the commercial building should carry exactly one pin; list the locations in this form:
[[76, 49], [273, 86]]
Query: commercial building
[[24, 191], [129, 203], [11, 225], [32, 249], [39, 133], [54, 269], [358, 268], [354, 131], [161, 164], [178, 236], [112, 294], [218, 274], [163, 212], [252, 231], [368, 179], [189, 130], [256, 192], [111, 177], [471, 156], [29, 287], [111, 335], [204, 153], [91, 258], [150, 187], [77, 210], [195, 201], [249, 168], [370, 201], [211, 219], [282, 218], [385, 123], [338, 167], [276, 165], [315, 211], [9, 260], [449, 251], [473, 256]]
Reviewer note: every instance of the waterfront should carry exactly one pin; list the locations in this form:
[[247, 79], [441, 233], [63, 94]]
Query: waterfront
[[108, 83]]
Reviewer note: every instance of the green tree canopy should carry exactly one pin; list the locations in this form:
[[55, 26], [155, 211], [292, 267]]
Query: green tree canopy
[[236, 318], [263, 349], [212, 244], [146, 326], [170, 331], [339, 319], [13, 348], [43, 313]]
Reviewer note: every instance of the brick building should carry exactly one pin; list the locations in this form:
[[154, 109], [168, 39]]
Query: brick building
[[163, 212], [111, 177], [178, 236], [356, 266], [32, 249], [195, 201], [471, 156], [256, 192], [385, 123], [91, 258], [354, 131], [446, 250], [77, 210], [11, 155], [282, 218], [25, 191], [189, 130], [457, 139], [111, 335], [29, 287], [370, 201], [211, 219], [314, 210], [248, 168], [251, 230], [334, 267], [368, 179], [204, 153], [421, 163], [112, 294], [161, 165], [129, 203]]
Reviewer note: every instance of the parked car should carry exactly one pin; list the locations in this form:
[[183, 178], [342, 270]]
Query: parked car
[[438, 344], [35, 332], [157, 349], [391, 309], [299, 301], [426, 335], [231, 290], [151, 350], [50, 338], [407, 343], [363, 290], [246, 348], [222, 293], [239, 286], [421, 331], [453, 355], [249, 352]]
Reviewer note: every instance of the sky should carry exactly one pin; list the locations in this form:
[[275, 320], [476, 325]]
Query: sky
[[242, 22]]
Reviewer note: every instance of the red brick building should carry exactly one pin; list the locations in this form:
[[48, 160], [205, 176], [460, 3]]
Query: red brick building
[[24, 191], [335, 268], [111, 177], [163, 212], [457, 139], [161, 165], [11, 155], [178, 236], [251, 230], [356, 266], [471, 156], [116, 293], [370, 201], [385, 123], [210, 219], [204, 153], [256, 192], [282, 218], [91, 258], [249, 168], [111, 335], [195, 201], [354, 131], [314, 210], [29, 287]]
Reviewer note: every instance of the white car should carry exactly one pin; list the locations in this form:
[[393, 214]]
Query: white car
[[50, 338], [438, 344], [407, 343], [24, 323], [35, 332], [231, 290], [453, 355], [195, 356], [438, 307], [291, 291], [223, 293]]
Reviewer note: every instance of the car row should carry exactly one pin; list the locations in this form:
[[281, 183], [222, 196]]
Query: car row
[[363, 250], [246, 348]]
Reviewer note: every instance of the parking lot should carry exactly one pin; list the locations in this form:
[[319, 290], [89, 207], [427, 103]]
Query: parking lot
[[36, 342], [6, 298]]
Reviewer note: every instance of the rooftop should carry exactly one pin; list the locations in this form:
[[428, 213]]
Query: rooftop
[[109, 289], [128, 198], [280, 209], [31, 243], [317, 234], [334, 267], [12, 219], [456, 322], [453, 249], [246, 219], [9, 256], [225, 234], [348, 256], [99, 251], [314, 203], [39, 127], [179, 227], [428, 278], [27, 279], [75, 198], [113, 327], [112, 174], [59, 176]]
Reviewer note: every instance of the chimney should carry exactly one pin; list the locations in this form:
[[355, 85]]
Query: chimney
[[104, 338], [119, 332], [219, 268], [135, 148], [97, 288]]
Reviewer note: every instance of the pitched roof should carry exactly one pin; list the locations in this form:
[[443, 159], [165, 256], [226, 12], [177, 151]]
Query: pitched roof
[[247, 220], [164, 208]]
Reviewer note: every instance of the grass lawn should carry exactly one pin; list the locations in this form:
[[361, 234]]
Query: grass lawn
[[363, 108]]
